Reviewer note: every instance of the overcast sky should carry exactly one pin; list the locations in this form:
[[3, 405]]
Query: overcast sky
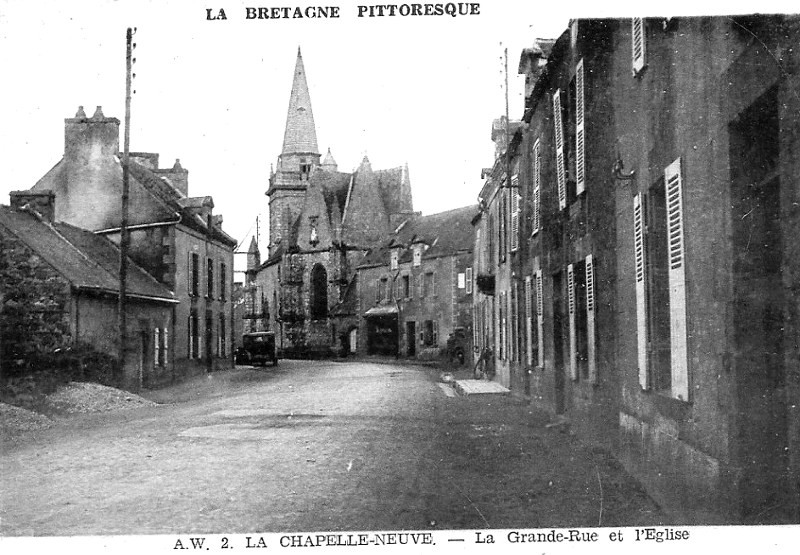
[[421, 90]]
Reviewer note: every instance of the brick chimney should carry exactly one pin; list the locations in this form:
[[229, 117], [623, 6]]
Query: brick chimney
[[41, 202]]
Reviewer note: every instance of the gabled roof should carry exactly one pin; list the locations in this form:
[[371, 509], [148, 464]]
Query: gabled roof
[[89, 262], [444, 234]]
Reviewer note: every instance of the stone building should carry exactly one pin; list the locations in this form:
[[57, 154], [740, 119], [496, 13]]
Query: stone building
[[652, 297], [61, 288], [176, 238], [415, 288], [322, 222]]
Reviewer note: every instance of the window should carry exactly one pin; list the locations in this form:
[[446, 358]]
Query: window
[[417, 255], [461, 282], [210, 279], [661, 286], [318, 302], [580, 163], [537, 183], [469, 280], [502, 318], [559, 141], [638, 48], [393, 263], [502, 219], [430, 333], [194, 335], [581, 332], [406, 281], [194, 274], [429, 285], [222, 281], [381, 292]]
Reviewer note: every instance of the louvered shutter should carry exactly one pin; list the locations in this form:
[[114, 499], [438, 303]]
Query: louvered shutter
[[540, 316], [528, 321], [514, 192], [537, 177], [468, 281], [165, 345], [637, 44], [156, 346], [580, 159], [677, 281], [641, 281], [590, 312], [559, 138], [189, 274], [573, 359]]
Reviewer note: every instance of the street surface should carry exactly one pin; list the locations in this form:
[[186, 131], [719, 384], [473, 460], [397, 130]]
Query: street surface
[[312, 446]]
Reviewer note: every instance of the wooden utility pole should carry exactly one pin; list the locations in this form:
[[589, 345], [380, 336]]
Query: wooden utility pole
[[124, 238]]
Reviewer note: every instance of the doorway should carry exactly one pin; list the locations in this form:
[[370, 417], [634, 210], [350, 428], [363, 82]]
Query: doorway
[[411, 338]]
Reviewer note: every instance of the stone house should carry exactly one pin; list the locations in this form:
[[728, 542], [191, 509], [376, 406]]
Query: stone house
[[657, 239], [322, 221], [176, 238], [416, 287], [61, 287]]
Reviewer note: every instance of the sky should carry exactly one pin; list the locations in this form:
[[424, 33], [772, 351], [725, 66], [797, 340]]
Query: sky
[[415, 90]]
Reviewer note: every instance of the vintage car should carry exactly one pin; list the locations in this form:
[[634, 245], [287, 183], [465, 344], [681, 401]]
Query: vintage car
[[258, 348]]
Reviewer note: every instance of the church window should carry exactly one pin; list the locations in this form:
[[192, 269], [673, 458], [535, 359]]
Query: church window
[[319, 292]]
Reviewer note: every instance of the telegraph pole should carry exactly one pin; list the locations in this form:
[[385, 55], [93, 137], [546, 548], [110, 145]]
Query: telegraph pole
[[124, 237]]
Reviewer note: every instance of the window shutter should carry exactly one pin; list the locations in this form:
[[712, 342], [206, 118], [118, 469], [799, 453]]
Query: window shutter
[[165, 345], [677, 281], [469, 280], [156, 346], [191, 337], [435, 332], [559, 138], [573, 360], [641, 281], [189, 274], [528, 321], [580, 164], [540, 316], [514, 192], [637, 44], [433, 284], [537, 177], [590, 312]]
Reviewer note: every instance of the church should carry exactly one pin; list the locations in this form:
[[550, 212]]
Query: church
[[321, 224]]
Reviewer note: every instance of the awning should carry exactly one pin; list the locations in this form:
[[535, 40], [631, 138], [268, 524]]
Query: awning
[[381, 310]]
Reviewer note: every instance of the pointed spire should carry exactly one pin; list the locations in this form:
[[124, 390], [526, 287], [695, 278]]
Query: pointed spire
[[300, 135], [329, 163]]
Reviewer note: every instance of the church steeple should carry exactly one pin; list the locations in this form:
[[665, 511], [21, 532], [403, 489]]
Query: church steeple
[[300, 136]]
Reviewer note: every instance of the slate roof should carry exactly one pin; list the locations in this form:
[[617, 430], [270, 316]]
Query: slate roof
[[88, 261], [158, 200], [300, 135], [445, 234]]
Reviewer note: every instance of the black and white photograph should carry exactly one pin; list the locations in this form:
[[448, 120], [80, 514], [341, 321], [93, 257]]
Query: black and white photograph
[[453, 276]]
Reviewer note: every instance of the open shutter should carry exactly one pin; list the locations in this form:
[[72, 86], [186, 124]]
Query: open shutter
[[641, 300], [528, 322], [677, 281], [637, 44], [156, 346], [559, 137], [580, 165], [514, 192], [537, 177], [540, 316], [468, 280], [189, 274], [590, 312], [165, 346], [573, 359]]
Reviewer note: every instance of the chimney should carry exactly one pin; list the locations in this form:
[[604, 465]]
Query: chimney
[[41, 202], [176, 176], [92, 169]]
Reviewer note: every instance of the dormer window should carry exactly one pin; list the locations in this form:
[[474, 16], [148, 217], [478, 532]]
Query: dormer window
[[313, 238], [417, 255], [305, 168], [393, 259]]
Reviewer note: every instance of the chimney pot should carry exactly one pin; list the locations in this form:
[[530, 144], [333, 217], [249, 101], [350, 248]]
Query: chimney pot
[[80, 113], [98, 114]]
